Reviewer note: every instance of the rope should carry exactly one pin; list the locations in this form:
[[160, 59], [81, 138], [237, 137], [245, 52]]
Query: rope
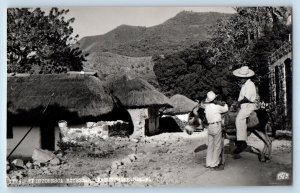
[[30, 128]]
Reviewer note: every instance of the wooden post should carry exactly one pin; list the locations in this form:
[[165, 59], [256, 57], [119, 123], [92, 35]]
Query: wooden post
[[153, 121]]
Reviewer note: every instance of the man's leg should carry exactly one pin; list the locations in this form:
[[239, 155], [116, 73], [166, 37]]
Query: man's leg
[[223, 150], [217, 147], [241, 130], [210, 149]]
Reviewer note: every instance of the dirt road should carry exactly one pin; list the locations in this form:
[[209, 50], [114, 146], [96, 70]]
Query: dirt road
[[167, 159]]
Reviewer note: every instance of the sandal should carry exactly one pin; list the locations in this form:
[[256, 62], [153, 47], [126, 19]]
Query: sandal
[[218, 168]]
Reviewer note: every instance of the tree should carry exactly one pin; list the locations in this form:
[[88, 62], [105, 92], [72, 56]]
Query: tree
[[248, 38], [190, 73], [41, 43]]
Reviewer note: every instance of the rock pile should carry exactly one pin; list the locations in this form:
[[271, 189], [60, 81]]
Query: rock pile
[[42, 156], [131, 160], [44, 160]]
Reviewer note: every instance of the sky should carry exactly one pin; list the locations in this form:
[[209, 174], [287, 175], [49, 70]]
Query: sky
[[99, 20]]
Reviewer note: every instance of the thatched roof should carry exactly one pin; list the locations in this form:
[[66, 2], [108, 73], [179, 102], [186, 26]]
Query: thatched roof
[[80, 94], [133, 92], [181, 105]]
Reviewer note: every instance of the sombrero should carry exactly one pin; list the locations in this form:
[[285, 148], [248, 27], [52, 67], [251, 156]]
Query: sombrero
[[210, 97], [243, 72]]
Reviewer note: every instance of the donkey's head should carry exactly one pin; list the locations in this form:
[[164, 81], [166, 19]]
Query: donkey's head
[[195, 119]]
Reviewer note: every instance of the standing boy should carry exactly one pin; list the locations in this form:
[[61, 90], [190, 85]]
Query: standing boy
[[215, 141]]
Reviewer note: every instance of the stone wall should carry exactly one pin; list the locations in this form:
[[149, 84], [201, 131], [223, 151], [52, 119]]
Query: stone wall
[[280, 88], [101, 129]]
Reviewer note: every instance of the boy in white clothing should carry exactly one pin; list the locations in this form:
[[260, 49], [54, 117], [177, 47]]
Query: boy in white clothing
[[215, 141]]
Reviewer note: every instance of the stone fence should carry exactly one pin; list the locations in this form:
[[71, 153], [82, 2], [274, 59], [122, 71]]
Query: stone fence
[[101, 129]]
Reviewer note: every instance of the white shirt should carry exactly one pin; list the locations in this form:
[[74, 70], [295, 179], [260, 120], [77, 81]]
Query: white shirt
[[248, 90], [213, 112]]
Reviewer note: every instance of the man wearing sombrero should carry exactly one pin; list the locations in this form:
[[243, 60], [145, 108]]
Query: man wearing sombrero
[[246, 100]]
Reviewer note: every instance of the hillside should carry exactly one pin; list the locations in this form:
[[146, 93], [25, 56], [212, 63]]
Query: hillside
[[111, 64], [174, 34]]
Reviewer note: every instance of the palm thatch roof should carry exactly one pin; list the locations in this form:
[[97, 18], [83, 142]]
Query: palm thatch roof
[[76, 93], [181, 105], [133, 92]]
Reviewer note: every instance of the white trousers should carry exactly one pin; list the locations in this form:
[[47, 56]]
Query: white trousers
[[240, 122], [214, 145]]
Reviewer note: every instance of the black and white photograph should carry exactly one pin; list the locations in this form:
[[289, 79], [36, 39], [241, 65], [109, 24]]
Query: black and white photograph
[[149, 96]]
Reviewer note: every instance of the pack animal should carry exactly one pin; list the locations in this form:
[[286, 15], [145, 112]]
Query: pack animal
[[256, 124]]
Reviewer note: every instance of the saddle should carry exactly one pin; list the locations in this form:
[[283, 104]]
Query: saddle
[[230, 118]]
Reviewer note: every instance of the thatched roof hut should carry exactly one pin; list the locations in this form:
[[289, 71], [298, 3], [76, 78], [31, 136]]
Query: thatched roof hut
[[181, 105], [77, 98], [133, 92], [77, 93], [137, 95]]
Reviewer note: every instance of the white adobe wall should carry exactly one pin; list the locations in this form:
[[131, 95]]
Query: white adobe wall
[[138, 117]]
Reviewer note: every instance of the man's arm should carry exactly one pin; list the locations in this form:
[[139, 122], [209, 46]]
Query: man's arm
[[223, 109], [203, 104]]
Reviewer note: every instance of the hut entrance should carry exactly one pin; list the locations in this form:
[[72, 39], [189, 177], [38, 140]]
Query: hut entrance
[[9, 130], [47, 130], [145, 122], [153, 121]]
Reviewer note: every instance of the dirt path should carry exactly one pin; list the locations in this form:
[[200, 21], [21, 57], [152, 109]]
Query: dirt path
[[166, 160]]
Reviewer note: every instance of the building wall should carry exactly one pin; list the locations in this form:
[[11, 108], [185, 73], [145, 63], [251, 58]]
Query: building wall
[[32, 140], [280, 91], [138, 117]]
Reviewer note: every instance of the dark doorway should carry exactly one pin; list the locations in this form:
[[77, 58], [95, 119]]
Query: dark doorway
[[47, 129], [289, 91]]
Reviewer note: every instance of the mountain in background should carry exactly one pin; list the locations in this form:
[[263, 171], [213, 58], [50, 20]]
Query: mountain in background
[[175, 34], [129, 49]]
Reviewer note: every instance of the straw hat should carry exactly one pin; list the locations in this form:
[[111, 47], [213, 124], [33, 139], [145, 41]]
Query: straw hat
[[210, 97], [243, 72]]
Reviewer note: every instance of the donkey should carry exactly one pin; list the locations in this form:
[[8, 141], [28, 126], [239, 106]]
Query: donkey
[[256, 124]]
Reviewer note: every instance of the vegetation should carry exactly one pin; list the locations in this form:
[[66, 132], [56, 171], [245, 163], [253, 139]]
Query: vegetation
[[249, 37], [191, 73], [108, 64], [39, 42], [246, 38], [192, 53]]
